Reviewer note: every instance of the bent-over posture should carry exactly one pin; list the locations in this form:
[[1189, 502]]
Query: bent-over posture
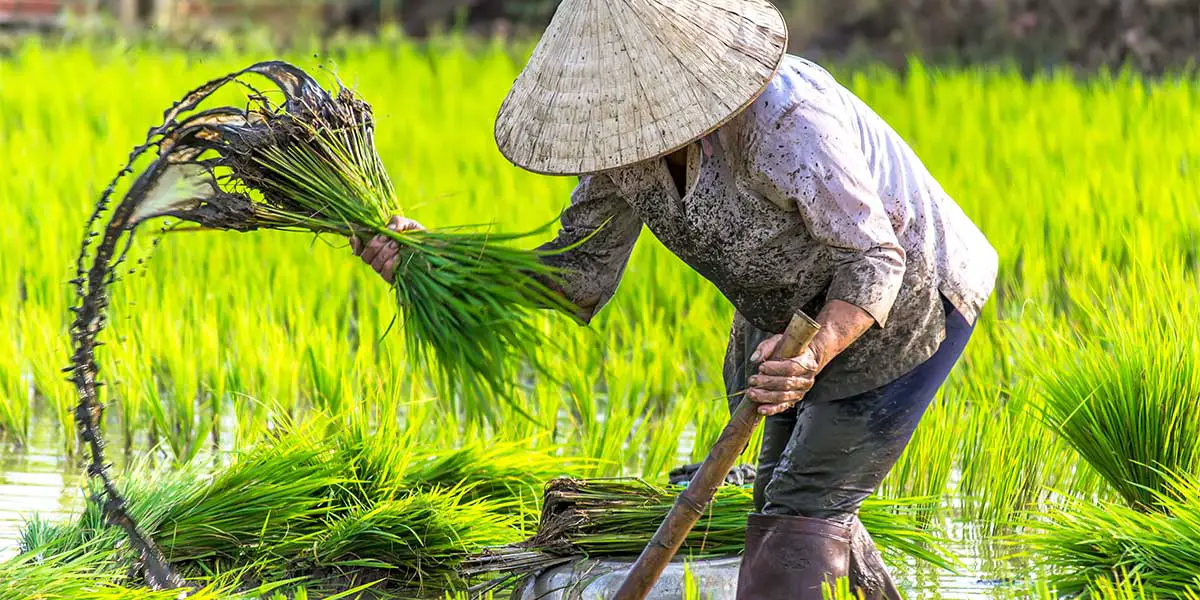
[[787, 192]]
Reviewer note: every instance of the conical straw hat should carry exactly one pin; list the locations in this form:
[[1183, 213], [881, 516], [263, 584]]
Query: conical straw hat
[[616, 82]]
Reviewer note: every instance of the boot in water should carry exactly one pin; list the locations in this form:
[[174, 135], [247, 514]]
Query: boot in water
[[788, 558]]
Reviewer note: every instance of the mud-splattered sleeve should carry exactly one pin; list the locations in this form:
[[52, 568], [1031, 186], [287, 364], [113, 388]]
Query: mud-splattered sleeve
[[809, 158], [593, 266]]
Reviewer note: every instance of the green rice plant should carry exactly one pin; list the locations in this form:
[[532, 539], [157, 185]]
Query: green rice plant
[[88, 573], [418, 540], [1129, 588], [309, 164], [314, 503], [840, 590], [1082, 543], [496, 472], [1126, 396], [615, 518]]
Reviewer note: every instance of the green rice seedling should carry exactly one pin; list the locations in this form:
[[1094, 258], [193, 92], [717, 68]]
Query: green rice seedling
[[310, 164], [840, 590], [417, 540], [616, 518], [1082, 543], [1130, 588], [499, 472], [1126, 397], [84, 575], [38, 574], [330, 505], [1011, 460]]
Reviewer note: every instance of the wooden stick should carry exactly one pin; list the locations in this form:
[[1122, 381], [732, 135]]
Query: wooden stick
[[692, 503]]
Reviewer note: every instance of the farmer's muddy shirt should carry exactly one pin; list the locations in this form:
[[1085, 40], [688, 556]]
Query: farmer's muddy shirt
[[806, 196]]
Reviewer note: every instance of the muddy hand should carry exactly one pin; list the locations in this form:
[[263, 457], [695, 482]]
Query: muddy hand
[[382, 253], [780, 384]]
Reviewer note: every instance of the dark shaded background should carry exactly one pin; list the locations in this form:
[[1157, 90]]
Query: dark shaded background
[[1150, 35]]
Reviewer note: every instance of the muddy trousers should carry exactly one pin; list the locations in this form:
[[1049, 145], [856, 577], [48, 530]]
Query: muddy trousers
[[823, 459]]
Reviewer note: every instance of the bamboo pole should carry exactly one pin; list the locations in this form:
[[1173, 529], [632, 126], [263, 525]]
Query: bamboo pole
[[692, 503]]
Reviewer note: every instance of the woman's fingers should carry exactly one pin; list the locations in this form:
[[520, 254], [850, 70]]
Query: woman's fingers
[[781, 384], [766, 348], [381, 252], [389, 251], [399, 224], [801, 366], [773, 403], [765, 397], [389, 269], [373, 248], [770, 410]]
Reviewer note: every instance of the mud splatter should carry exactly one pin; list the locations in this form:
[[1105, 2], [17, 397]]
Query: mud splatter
[[179, 182]]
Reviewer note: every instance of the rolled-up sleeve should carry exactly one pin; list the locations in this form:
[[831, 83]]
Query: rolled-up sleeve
[[598, 233], [809, 159]]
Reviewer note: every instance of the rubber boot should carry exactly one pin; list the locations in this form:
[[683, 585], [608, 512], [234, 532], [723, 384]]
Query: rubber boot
[[868, 575], [788, 558]]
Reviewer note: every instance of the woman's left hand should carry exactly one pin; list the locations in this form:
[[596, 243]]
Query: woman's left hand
[[780, 384]]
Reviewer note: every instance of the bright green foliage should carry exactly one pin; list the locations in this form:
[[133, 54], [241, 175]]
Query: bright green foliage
[[840, 590], [311, 503], [1084, 542], [307, 162], [1126, 393], [1080, 184], [331, 508], [617, 518]]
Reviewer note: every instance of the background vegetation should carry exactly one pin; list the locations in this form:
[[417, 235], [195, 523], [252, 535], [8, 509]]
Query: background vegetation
[[1087, 188]]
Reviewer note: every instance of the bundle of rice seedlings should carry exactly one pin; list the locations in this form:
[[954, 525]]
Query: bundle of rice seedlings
[[615, 518], [308, 163], [87, 573], [493, 471], [315, 504], [1125, 394], [1094, 546]]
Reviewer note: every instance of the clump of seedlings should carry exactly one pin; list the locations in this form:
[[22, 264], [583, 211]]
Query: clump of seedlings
[[1126, 397], [615, 518], [308, 163], [330, 505]]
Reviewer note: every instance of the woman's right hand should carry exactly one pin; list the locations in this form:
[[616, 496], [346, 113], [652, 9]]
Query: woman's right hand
[[381, 252]]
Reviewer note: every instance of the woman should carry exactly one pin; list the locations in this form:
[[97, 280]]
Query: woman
[[787, 192]]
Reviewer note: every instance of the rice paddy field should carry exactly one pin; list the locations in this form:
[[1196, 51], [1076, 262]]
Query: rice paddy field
[[1061, 455]]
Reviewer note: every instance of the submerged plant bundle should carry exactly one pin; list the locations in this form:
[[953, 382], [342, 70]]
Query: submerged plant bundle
[[1085, 542], [308, 163], [331, 507], [615, 518]]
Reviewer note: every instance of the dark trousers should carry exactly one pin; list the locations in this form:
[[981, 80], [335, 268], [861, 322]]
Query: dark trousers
[[823, 459]]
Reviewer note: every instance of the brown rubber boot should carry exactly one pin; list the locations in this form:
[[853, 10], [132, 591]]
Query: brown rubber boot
[[868, 575], [788, 558]]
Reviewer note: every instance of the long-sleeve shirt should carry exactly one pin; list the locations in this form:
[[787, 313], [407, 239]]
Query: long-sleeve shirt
[[805, 197]]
